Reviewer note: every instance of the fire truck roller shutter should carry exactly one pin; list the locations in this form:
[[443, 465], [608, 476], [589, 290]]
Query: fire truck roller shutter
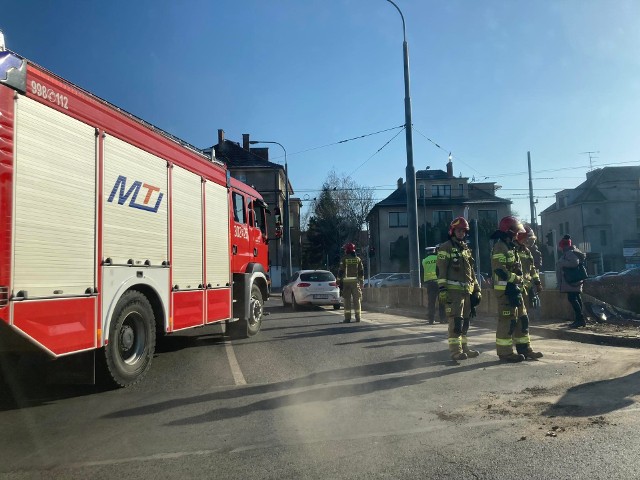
[[217, 223], [186, 196], [135, 205], [55, 202]]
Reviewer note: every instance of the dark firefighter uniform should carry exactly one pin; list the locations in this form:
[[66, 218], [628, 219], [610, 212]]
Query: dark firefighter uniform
[[530, 277], [456, 277], [351, 277], [508, 280]]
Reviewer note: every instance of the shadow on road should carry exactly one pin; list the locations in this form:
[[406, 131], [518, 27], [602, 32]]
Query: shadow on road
[[322, 393], [597, 398]]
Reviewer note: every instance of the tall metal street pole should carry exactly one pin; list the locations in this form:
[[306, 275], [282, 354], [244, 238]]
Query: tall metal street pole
[[412, 205], [534, 220], [287, 213]]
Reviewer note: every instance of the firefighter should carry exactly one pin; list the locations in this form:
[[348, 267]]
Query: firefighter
[[350, 281], [513, 322], [458, 288], [430, 277], [526, 246]]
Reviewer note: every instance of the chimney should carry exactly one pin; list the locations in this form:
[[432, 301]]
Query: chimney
[[245, 141], [450, 168], [220, 136], [399, 183]]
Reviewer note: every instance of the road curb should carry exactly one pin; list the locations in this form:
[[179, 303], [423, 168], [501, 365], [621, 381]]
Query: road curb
[[557, 330]]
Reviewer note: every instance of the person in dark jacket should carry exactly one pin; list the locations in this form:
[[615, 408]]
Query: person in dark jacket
[[571, 257]]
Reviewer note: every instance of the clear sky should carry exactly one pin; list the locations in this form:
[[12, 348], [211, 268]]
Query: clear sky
[[490, 80]]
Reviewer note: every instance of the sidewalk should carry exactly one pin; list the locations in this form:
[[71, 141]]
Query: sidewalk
[[627, 335]]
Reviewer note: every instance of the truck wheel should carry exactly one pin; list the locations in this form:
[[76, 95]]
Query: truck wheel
[[256, 311], [132, 339], [244, 328]]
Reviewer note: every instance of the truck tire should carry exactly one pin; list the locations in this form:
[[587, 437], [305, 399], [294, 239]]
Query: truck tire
[[244, 328], [132, 339]]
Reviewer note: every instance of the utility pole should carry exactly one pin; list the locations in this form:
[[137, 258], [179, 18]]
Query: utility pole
[[534, 220]]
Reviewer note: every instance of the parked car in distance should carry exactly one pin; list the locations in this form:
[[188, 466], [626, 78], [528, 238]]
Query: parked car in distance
[[598, 278], [311, 287], [396, 280], [376, 279]]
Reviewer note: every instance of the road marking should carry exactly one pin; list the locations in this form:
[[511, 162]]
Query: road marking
[[238, 377]]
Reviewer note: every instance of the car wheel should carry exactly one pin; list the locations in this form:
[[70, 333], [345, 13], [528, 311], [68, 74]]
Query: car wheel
[[336, 306], [284, 304], [294, 304]]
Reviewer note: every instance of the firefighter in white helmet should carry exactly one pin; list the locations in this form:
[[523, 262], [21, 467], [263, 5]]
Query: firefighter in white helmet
[[351, 279], [525, 245], [458, 287]]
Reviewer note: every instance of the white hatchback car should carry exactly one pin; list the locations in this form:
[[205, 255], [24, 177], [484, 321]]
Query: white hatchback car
[[311, 287]]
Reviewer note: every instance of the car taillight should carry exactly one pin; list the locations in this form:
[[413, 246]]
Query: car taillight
[[333, 284], [304, 284]]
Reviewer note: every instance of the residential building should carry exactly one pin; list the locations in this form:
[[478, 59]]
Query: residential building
[[602, 215], [251, 165], [441, 197]]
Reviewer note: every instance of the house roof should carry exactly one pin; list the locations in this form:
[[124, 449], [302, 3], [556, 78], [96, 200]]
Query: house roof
[[399, 197], [589, 190], [235, 156]]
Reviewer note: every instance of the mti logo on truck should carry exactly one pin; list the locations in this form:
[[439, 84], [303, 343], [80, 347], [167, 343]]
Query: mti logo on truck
[[120, 188]]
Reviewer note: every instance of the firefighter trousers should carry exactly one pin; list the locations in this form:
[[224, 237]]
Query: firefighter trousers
[[432, 298], [513, 327], [352, 294], [458, 309]]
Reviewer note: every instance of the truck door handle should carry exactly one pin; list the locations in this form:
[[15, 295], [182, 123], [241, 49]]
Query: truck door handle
[[255, 252], [234, 250]]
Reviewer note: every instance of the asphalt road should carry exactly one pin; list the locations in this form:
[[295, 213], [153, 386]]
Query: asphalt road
[[310, 397]]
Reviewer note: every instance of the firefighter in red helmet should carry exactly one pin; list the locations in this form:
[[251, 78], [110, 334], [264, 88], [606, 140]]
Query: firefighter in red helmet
[[458, 287], [350, 280], [508, 281]]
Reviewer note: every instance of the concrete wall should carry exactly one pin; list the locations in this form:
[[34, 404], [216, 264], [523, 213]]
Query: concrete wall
[[553, 303]]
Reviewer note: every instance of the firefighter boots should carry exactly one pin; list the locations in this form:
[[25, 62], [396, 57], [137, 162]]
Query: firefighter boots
[[533, 355], [512, 358], [471, 353], [459, 356]]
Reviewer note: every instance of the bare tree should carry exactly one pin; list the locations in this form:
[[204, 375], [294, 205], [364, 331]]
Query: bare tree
[[336, 216]]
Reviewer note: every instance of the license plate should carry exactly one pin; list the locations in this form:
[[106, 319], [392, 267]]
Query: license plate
[[320, 296]]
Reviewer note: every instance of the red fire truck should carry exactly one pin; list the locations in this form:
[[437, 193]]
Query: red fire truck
[[113, 231]]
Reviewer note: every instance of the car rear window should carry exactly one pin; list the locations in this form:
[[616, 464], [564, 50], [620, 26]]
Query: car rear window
[[317, 277]]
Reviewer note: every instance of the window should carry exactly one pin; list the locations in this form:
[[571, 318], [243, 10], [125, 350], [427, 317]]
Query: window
[[317, 277], [442, 216], [238, 208], [561, 229], [441, 190], [603, 238], [566, 228], [421, 194], [259, 219], [461, 189], [488, 215], [398, 219]]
